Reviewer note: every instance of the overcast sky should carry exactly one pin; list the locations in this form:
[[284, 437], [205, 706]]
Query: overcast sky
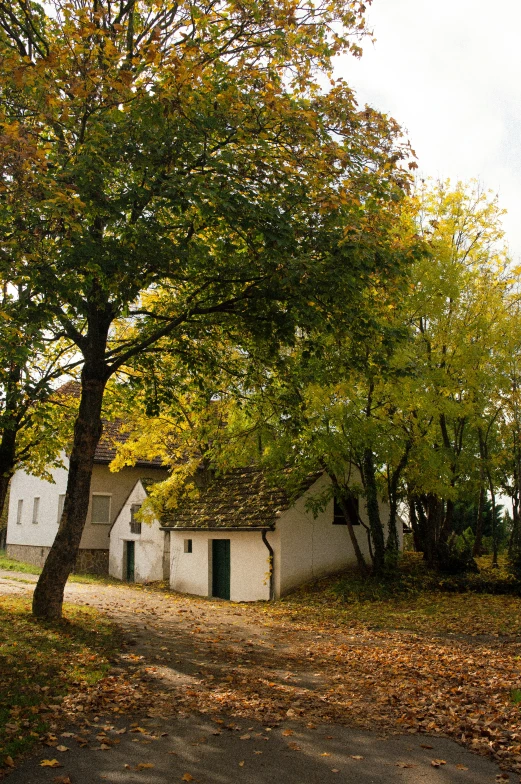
[[449, 71]]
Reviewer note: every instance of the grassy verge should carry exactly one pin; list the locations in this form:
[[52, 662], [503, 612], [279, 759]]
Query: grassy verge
[[12, 565], [413, 600], [40, 663]]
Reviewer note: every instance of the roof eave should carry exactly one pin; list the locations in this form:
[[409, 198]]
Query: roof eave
[[218, 527]]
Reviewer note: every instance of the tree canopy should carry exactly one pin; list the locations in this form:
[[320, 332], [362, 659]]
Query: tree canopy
[[172, 167]]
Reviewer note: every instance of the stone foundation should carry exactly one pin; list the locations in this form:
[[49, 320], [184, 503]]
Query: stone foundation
[[87, 561]]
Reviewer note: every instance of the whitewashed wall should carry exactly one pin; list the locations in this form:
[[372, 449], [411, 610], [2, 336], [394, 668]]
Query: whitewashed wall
[[25, 487], [148, 553], [95, 535], [313, 547], [249, 565]]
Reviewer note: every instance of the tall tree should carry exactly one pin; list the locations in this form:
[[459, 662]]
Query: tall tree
[[185, 148]]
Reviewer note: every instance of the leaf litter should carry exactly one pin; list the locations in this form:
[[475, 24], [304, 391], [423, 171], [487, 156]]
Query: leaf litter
[[421, 679]]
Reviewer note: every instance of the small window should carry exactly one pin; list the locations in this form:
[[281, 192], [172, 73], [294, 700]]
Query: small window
[[100, 508], [36, 510], [19, 510], [338, 515], [61, 502], [188, 545], [135, 525]]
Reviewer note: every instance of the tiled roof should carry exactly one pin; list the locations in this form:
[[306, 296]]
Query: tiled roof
[[112, 435], [242, 498]]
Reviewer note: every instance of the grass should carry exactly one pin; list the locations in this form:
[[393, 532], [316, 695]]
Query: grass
[[415, 600], [515, 696], [40, 662], [12, 565]]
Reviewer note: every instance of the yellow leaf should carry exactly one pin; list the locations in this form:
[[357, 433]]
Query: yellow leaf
[[187, 777], [50, 763]]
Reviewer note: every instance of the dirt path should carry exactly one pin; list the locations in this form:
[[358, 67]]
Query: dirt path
[[223, 692]]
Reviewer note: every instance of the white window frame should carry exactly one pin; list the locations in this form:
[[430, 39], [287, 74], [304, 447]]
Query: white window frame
[[61, 502], [104, 495], [19, 511], [36, 509]]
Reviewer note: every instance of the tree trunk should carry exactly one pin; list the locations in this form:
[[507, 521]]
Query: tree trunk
[[393, 538], [373, 511], [432, 526], [48, 595], [7, 463], [476, 550], [349, 511], [9, 432], [413, 518], [494, 522]]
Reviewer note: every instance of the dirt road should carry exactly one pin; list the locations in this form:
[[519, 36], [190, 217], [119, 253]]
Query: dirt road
[[221, 693]]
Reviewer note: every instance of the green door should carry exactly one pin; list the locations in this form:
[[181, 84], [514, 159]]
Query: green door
[[221, 568], [130, 561]]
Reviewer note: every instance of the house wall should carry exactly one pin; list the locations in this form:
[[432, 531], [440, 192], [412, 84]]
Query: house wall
[[313, 547], [149, 544], [249, 564], [31, 542]]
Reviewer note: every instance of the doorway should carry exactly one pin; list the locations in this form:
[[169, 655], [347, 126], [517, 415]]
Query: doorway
[[130, 561], [221, 568]]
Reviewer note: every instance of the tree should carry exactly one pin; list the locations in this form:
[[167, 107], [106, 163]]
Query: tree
[[187, 152], [458, 317]]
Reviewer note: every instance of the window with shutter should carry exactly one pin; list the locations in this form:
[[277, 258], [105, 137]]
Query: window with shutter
[[100, 508]]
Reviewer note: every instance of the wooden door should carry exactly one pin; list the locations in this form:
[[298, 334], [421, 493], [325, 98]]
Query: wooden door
[[221, 568], [130, 561]]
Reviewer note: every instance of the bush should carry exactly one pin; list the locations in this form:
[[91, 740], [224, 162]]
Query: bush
[[455, 556], [413, 577]]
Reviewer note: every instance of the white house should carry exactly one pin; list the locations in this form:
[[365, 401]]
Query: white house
[[137, 550], [241, 539], [35, 506]]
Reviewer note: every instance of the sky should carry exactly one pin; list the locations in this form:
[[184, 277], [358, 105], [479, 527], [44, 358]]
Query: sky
[[449, 71]]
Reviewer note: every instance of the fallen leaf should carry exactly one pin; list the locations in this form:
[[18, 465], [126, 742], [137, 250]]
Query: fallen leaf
[[147, 766], [187, 777], [50, 763], [62, 748], [287, 732], [241, 764], [335, 770], [437, 762], [461, 767], [356, 756], [325, 754], [61, 780], [245, 737], [9, 762], [405, 765], [425, 746]]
